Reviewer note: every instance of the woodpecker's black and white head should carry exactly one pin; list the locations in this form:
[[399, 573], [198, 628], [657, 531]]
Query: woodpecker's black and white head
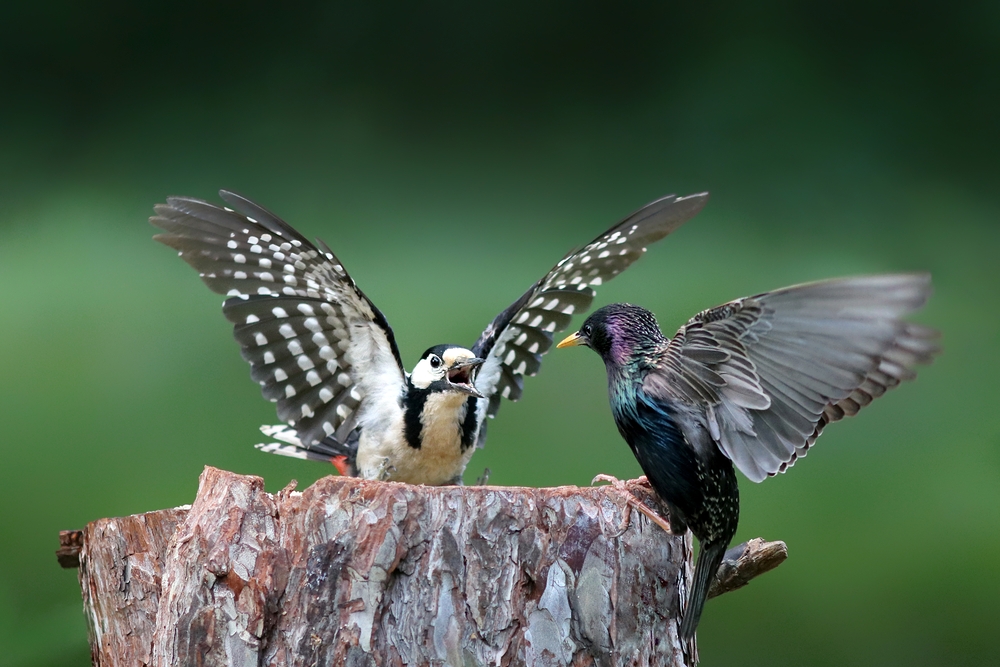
[[447, 368]]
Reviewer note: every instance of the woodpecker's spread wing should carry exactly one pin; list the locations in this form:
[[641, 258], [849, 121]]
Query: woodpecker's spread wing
[[516, 339], [316, 344], [768, 372]]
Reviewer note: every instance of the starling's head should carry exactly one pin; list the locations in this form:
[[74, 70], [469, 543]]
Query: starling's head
[[616, 332], [447, 368]]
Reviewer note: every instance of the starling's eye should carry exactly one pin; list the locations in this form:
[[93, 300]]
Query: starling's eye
[[587, 330], [435, 361]]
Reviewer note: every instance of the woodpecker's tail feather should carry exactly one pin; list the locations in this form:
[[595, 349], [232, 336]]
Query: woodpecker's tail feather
[[708, 564], [328, 450]]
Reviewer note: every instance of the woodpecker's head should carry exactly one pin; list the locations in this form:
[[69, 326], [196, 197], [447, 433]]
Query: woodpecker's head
[[616, 332], [447, 368]]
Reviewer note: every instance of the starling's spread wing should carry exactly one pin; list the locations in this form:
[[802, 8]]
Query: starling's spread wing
[[514, 342], [315, 343], [770, 371]]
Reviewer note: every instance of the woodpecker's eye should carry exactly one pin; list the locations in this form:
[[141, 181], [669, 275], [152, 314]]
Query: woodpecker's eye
[[435, 361]]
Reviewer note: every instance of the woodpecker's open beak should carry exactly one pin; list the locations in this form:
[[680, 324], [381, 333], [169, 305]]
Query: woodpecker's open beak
[[462, 376], [573, 340]]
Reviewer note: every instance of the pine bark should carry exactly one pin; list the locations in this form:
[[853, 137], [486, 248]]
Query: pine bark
[[354, 572]]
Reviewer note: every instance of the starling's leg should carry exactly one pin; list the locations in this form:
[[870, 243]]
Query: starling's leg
[[484, 478], [620, 486]]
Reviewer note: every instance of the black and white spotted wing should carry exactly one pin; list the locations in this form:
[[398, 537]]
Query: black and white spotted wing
[[514, 342], [300, 320]]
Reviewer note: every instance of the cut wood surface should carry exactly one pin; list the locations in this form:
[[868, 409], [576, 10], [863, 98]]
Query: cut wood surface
[[355, 572]]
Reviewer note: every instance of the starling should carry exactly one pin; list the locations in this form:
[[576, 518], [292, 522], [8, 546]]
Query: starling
[[751, 383]]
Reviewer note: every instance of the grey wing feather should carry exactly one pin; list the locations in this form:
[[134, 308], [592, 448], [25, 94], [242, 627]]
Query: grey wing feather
[[769, 372], [315, 343], [514, 342]]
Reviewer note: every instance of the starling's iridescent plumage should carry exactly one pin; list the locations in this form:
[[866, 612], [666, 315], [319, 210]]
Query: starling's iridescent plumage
[[750, 383]]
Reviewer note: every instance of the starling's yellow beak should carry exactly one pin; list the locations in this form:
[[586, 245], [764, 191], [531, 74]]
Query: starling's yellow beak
[[573, 340]]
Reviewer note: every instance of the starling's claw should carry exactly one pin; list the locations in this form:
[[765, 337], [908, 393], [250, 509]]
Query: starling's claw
[[622, 488], [484, 478]]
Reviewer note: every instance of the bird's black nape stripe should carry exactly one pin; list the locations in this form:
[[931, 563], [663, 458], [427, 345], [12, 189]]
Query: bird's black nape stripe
[[413, 408], [469, 423]]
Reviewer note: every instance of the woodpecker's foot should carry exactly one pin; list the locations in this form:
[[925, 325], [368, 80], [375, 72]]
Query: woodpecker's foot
[[622, 487], [484, 478], [385, 470]]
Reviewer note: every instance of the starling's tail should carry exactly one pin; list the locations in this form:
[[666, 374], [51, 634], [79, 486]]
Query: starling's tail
[[708, 564]]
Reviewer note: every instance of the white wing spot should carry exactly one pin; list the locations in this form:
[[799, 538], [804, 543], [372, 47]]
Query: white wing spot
[[260, 338], [313, 378], [312, 324], [286, 330], [603, 254], [240, 275], [256, 249], [506, 392], [239, 259], [327, 426], [266, 276], [232, 245], [264, 263], [535, 322], [520, 339], [252, 318], [344, 379], [306, 411], [295, 347], [305, 309], [552, 304], [280, 375], [509, 359], [326, 396], [520, 368], [269, 357], [253, 239], [279, 311], [533, 348], [304, 362], [343, 411], [522, 318]]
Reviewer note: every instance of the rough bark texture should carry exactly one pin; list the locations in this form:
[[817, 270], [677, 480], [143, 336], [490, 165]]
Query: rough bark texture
[[353, 572]]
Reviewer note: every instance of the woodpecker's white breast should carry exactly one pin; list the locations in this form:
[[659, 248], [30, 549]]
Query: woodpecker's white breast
[[438, 460]]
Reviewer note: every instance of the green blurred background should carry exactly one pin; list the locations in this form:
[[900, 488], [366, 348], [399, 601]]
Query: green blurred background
[[836, 138]]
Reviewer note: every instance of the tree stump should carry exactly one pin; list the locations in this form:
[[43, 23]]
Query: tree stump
[[355, 572]]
